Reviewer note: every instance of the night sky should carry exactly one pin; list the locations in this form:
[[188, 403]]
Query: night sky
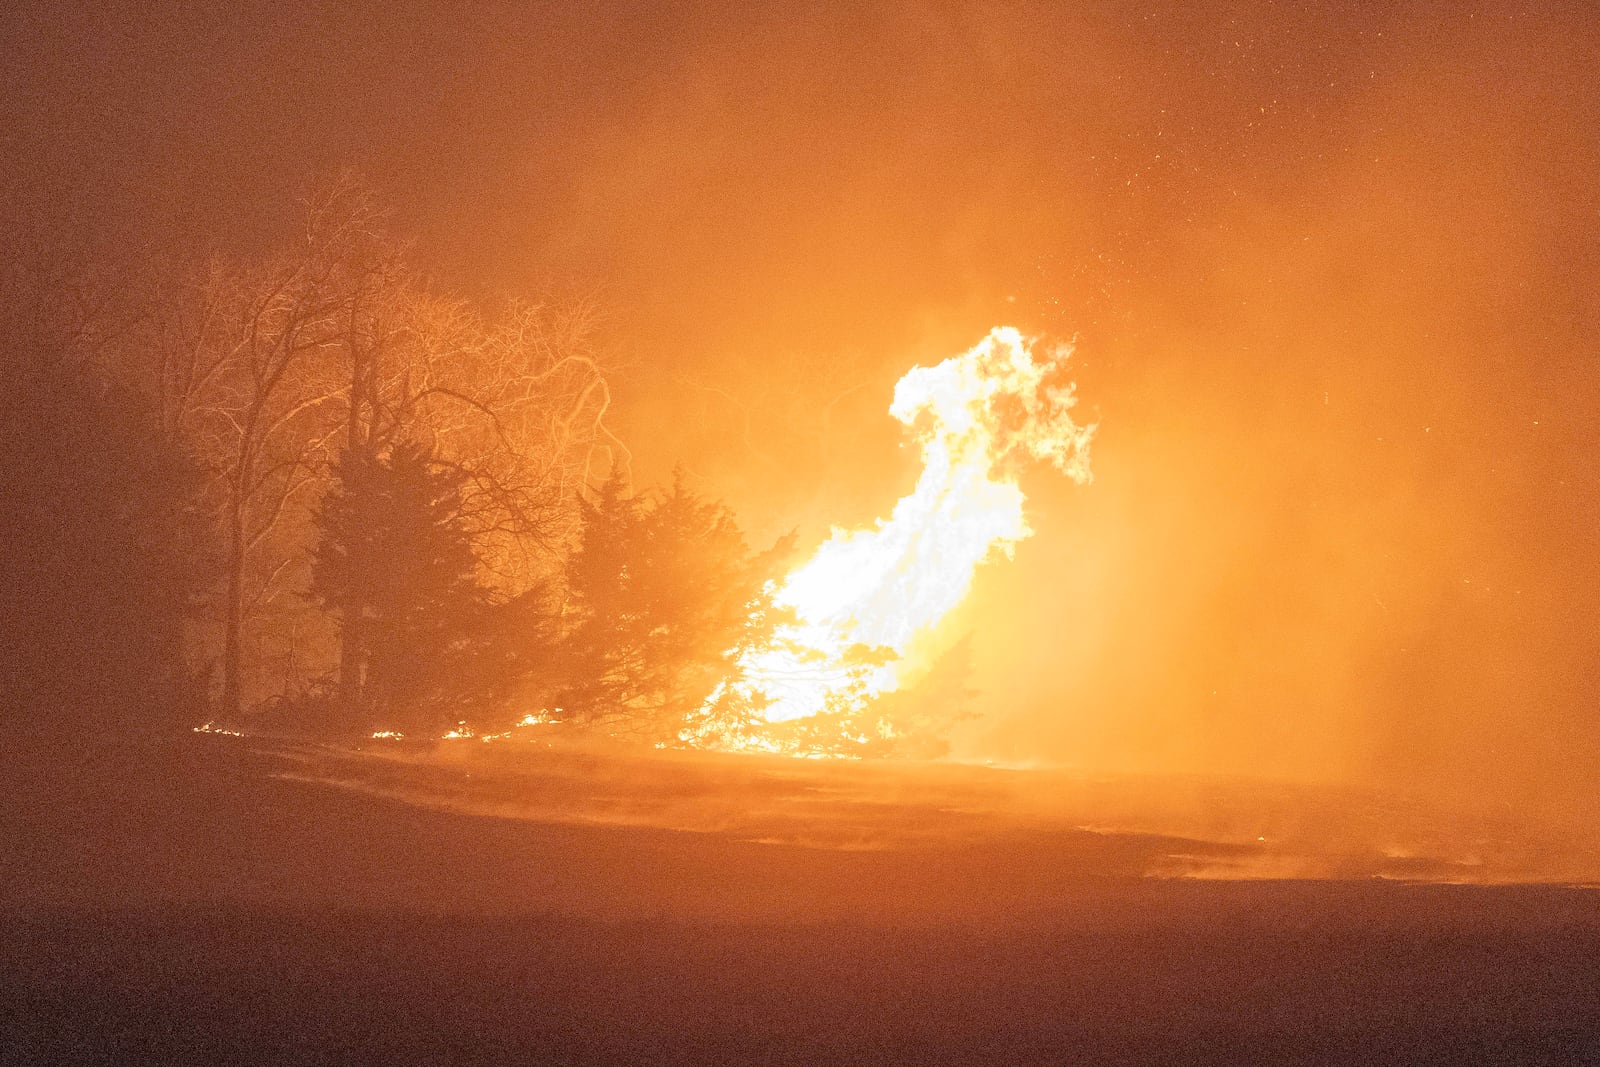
[[1330, 269]]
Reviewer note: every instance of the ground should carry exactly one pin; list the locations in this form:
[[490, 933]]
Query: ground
[[218, 900]]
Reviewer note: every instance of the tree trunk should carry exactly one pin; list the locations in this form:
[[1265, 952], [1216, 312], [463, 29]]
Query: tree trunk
[[233, 620], [352, 634], [351, 655]]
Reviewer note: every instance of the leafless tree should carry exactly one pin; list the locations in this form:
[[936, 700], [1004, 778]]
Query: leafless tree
[[252, 388], [518, 406], [264, 371]]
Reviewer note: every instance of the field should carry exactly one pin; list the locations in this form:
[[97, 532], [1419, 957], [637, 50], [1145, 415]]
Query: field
[[220, 901]]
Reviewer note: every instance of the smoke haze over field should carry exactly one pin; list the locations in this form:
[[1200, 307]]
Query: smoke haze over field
[[1330, 270]]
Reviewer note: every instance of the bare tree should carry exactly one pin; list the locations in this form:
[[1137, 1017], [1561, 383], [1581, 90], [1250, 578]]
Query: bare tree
[[516, 407], [265, 371]]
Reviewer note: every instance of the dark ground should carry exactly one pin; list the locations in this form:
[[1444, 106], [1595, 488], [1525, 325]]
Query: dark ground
[[190, 908]]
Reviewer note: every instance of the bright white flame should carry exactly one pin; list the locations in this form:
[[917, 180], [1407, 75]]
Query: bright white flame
[[974, 415]]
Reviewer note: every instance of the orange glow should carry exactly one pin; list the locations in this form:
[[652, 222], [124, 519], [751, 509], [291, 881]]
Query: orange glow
[[463, 732], [975, 416]]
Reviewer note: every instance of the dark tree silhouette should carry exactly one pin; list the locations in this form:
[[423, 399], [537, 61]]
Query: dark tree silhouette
[[105, 554], [394, 541], [604, 627], [663, 594], [264, 367]]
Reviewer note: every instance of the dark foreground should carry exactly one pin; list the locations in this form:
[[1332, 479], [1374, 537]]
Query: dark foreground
[[1312, 975], [195, 911]]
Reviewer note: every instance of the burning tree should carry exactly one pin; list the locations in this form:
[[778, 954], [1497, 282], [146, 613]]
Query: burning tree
[[862, 608], [333, 364], [663, 597], [677, 632]]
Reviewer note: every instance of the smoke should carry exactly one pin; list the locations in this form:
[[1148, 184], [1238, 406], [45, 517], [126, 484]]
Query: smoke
[[1329, 272]]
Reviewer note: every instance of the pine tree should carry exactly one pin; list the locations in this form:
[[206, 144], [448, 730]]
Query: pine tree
[[393, 540], [602, 616], [663, 593]]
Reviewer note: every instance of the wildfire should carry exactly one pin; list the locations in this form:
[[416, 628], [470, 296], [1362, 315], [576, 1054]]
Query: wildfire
[[463, 732], [861, 604], [975, 417]]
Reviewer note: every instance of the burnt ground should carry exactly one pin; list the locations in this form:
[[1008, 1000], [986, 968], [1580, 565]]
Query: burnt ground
[[219, 902]]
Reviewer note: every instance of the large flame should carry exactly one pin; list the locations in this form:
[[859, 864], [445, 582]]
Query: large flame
[[975, 417]]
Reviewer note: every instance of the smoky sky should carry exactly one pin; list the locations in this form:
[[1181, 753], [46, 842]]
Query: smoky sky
[[1329, 270]]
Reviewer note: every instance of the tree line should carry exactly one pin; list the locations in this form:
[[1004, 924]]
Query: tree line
[[308, 491]]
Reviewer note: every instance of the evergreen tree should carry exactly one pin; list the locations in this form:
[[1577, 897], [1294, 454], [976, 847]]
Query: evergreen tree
[[393, 540], [663, 595], [603, 623]]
